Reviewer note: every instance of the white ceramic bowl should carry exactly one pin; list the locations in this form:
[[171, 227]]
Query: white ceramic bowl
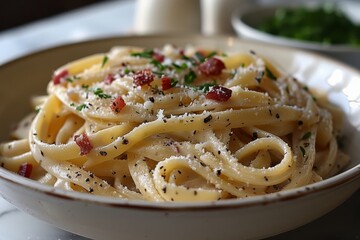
[[108, 218], [245, 22]]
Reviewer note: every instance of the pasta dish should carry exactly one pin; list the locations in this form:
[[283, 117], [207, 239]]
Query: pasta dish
[[175, 124]]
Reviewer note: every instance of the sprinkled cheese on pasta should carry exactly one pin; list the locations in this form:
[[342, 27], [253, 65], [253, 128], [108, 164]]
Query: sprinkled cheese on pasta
[[175, 124]]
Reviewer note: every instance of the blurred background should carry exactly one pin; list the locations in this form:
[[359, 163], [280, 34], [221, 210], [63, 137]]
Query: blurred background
[[19, 12]]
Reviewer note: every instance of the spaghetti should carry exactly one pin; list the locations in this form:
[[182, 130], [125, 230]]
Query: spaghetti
[[175, 124]]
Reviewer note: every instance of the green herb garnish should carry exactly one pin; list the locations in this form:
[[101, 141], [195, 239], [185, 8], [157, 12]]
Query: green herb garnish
[[174, 82], [100, 93], [104, 61], [81, 107], [181, 67], [319, 24], [192, 60], [190, 77], [126, 71], [158, 65], [72, 78], [146, 54], [200, 57], [160, 74], [206, 86]]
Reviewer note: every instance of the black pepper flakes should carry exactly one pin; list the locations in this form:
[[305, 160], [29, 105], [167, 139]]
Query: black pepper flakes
[[103, 153], [208, 119], [255, 135], [277, 116], [218, 172], [125, 141], [91, 190], [152, 99], [164, 189]]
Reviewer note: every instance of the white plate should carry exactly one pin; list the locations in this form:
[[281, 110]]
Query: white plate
[[106, 218]]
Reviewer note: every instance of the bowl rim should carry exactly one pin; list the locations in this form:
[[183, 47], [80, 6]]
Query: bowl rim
[[346, 177], [333, 183], [241, 27]]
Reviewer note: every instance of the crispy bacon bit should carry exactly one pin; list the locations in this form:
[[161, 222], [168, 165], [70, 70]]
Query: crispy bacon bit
[[143, 77], [84, 143], [117, 104], [57, 78], [25, 170], [109, 79], [219, 93], [166, 83], [212, 67], [158, 57]]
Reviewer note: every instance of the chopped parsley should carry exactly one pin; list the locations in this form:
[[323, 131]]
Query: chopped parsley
[[126, 71], [81, 107], [190, 77], [146, 54], [205, 87], [200, 57], [160, 74], [211, 54], [181, 67], [173, 82], [158, 65], [72, 78], [100, 93], [104, 61], [192, 60]]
